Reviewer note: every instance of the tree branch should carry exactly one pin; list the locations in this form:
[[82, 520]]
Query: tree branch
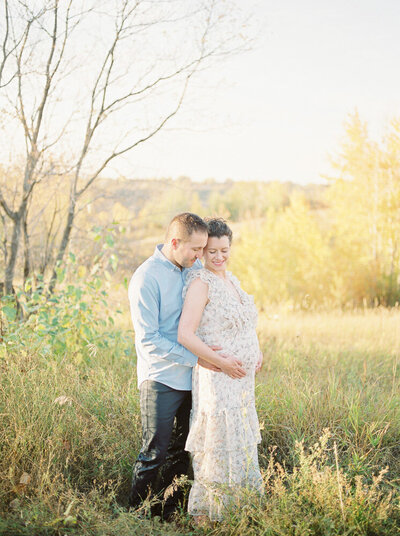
[[4, 47], [138, 142], [10, 213]]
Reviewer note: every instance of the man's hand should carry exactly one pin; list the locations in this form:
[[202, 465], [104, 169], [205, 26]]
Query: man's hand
[[260, 362], [232, 367], [208, 365]]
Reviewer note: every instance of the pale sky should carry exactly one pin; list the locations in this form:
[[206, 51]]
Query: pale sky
[[277, 112]]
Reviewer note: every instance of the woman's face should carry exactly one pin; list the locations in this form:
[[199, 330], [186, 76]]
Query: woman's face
[[216, 253]]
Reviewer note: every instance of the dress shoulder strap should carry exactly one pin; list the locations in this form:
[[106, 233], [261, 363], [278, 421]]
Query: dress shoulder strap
[[202, 274]]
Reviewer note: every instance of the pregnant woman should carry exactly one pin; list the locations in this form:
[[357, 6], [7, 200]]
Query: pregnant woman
[[224, 430]]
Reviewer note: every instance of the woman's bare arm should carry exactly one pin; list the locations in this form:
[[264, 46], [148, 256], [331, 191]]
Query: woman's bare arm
[[195, 302]]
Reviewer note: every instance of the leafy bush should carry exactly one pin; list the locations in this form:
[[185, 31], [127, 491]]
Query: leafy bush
[[73, 320]]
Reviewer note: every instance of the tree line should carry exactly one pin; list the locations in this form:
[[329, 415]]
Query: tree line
[[346, 254], [336, 244]]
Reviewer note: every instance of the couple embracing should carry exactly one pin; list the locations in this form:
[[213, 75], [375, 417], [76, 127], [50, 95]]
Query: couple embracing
[[197, 353]]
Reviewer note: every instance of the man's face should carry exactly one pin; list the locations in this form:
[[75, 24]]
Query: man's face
[[186, 252]]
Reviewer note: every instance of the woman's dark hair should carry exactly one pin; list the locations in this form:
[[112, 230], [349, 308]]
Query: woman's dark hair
[[218, 227]]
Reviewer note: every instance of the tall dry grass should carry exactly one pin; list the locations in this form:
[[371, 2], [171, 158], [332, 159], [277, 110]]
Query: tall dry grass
[[328, 402]]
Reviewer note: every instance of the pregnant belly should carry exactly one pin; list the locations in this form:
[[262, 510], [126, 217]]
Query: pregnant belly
[[243, 346]]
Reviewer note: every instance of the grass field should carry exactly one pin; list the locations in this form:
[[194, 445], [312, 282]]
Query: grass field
[[329, 405]]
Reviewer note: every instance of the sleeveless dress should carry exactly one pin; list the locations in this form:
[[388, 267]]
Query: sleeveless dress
[[224, 430]]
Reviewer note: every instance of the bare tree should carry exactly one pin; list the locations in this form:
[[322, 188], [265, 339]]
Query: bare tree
[[32, 125], [112, 55]]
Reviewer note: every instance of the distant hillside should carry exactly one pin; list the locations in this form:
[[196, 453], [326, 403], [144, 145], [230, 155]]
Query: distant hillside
[[135, 194], [143, 208]]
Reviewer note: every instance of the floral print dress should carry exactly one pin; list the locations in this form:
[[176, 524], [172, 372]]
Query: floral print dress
[[224, 430]]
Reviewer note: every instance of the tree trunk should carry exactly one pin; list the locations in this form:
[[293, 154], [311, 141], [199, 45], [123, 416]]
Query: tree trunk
[[10, 266], [4, 244], [27, 253], [63, 245]]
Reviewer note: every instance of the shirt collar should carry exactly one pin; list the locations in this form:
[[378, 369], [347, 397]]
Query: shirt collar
[[158, 255]]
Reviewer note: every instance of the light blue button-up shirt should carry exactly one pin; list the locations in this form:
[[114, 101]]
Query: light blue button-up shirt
[[155, 296]]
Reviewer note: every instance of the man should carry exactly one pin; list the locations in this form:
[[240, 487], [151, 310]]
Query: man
[[165, 366]]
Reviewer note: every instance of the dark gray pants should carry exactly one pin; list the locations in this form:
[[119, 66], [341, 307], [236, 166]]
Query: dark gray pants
[[165, 425]]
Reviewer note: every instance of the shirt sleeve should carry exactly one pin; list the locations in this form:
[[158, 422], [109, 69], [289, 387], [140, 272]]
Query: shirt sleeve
[[144, 301]]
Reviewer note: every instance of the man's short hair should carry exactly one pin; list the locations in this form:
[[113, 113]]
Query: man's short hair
[[183, 225]]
